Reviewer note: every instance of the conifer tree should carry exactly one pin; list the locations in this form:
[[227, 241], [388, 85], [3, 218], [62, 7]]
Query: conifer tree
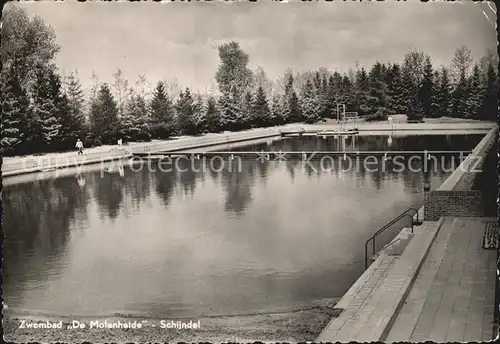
[[229, 111], [277, 111], [443, 95], [460, 97], [134, 121], [361, 92], [476, 94], [45, 123], [247, 119], [15, 112], [395, 94], [310, 104], [426, 90], [185, 108], [260, 109], [104, 116], [489, 106], [161, 118], [76, 105], [212, 116]]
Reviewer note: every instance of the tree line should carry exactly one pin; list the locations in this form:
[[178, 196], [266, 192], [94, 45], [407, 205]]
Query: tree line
[[43, 111]]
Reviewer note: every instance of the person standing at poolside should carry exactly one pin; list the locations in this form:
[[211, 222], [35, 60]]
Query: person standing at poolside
[[79, 146]]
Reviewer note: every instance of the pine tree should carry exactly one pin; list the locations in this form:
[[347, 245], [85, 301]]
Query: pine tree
[[185, 108], [277, 111], [71, 126], [396, 100], [489, 108], [229, 111], [134, 121], [426, 89], [199, 115], [411, 83], [476, 94], [361, 92], [443, 95], [104, 116], [377, 94], [15, 106], [212, 116], [162, 122], [348, 94], [43, 110], [76, 105], [247, 119], [310, 104], [292, 109], [460, 97], [260, 109]]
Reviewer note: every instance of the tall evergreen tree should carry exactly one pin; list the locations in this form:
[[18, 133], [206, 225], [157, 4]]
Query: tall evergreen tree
[[460, 97], [489, 108], [134, 121], [395, 94], [229, 110], [476, 94], [377, 95], [104, 116], [70, 126], [277, 112], [292, 109], [185, 108], [426, 90], [260, 109], [45, 123], [76, 105], [15, 112], [310, 104], [212, 116], [443, 95], [246, 116], [162, 121], [361, 92]]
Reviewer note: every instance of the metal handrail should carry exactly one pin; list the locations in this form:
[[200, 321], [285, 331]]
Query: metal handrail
[[374, 236]]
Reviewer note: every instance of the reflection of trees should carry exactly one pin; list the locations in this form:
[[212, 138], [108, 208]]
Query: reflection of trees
[[36, 223], [108, 192], [238, 186], [187, 176], [165, 183], [138, 184]]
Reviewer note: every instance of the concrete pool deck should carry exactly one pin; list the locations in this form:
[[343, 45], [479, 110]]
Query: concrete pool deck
[[12, 166], [441, 288]]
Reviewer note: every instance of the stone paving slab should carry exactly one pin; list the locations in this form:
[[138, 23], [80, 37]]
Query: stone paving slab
[[452, 298], [372, 309]]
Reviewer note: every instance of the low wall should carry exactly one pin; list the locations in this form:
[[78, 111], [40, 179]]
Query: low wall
[[461, 194], [453, 203]]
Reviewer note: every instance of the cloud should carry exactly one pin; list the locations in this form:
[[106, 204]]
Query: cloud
[[180, 39]]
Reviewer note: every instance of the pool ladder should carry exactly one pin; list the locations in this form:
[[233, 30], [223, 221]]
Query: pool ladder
[[414, 221]]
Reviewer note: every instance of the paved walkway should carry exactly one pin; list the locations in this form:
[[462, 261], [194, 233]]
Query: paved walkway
[[452, 298], [369, 308], [441, 288]]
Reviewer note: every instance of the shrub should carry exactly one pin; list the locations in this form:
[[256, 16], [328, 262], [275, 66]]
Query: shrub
[[377, 116]]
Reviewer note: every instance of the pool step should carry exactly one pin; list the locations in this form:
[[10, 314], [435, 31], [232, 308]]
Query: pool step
[[372, 309]]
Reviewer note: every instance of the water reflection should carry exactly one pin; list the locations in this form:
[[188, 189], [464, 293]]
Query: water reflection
[[37, 221], [205, 240]]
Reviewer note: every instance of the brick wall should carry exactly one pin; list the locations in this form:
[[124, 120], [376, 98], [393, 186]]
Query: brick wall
[[453, 203]]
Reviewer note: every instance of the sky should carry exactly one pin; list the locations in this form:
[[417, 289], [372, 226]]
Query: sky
[[178, 41]]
